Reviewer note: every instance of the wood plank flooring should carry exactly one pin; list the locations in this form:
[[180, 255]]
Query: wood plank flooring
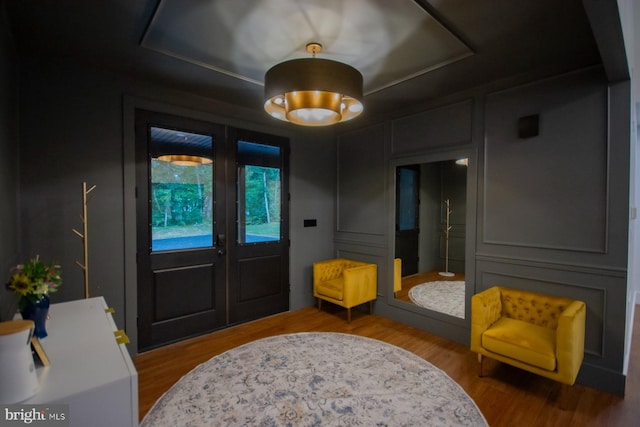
[[505, 395]]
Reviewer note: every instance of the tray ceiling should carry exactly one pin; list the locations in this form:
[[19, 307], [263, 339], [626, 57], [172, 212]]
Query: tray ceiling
[[388, 42], [409, 51]]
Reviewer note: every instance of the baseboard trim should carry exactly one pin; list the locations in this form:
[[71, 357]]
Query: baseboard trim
[[602, 379]]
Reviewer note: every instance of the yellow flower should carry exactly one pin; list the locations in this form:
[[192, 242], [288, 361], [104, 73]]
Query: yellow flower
[[21, 284]]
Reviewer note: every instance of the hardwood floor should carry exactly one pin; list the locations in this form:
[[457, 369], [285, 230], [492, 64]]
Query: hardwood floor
[[505, 395]]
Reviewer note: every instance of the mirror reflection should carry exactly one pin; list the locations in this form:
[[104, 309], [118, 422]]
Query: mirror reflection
[[430, 235]]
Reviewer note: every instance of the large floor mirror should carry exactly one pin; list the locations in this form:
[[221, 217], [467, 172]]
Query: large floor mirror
[[430, 237]]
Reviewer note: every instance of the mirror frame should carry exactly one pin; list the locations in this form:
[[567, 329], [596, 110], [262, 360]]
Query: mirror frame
[[470, 236]]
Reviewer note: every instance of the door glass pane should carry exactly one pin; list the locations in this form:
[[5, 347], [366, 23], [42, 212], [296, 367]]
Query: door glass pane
[[181, 190], [259, 193], [407, 206]]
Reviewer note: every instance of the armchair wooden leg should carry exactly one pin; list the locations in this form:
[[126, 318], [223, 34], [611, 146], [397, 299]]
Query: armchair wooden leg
[[480, 364], [348, 315], [319, 304], [565, 394], [370, 307]]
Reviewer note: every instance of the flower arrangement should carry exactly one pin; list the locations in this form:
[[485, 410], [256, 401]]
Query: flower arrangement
[[33, 280]]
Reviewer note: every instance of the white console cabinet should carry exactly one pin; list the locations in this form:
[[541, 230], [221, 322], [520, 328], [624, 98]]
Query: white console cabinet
[[90, 371]]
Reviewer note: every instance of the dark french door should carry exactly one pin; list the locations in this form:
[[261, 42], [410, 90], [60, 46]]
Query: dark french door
[[213, 227]]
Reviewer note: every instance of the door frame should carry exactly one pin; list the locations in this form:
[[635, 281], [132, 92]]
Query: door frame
[[129, 104]]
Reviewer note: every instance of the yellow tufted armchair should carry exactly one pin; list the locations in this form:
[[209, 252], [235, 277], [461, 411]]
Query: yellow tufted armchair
[[345, 282], [538, 333]]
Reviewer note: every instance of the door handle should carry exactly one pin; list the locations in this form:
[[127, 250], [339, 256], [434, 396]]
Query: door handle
[[221, 243]]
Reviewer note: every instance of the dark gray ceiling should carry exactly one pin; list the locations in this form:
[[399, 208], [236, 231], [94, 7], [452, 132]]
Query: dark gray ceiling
[[503, 38]]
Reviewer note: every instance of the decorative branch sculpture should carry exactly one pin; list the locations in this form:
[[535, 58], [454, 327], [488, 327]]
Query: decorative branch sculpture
[[85, 237], [447, 228]]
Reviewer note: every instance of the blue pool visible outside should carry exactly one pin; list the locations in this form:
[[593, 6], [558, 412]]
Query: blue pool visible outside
[[203, 241]]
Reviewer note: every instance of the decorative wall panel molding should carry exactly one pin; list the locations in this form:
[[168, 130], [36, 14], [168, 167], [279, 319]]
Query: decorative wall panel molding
[[361, 194], [552, 190], [439, 127], [599, 270], [346, 239]]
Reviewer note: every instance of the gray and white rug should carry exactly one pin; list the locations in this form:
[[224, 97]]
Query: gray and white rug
[[315, 379], [443, 296]]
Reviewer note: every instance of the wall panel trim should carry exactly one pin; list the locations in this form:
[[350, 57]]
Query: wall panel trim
[[598, 270], [577, 79]]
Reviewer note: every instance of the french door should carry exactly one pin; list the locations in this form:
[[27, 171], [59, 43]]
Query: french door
[[213, 231]]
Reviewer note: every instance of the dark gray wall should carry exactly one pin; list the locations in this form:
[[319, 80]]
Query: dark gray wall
[[551, 210], [313, 195], [76, 125], [9, 219], [362, 198]]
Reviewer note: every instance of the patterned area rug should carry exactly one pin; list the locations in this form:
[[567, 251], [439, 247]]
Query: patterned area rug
[[315, 379], [443, 296]]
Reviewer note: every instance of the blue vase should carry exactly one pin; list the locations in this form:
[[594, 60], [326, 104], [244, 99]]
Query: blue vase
[[38, 312]]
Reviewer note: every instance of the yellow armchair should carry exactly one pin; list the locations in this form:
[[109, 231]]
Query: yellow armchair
[[345, 282], [541, 334]]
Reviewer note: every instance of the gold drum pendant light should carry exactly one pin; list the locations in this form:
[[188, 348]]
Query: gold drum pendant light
[[312, 91], [185, 159]]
